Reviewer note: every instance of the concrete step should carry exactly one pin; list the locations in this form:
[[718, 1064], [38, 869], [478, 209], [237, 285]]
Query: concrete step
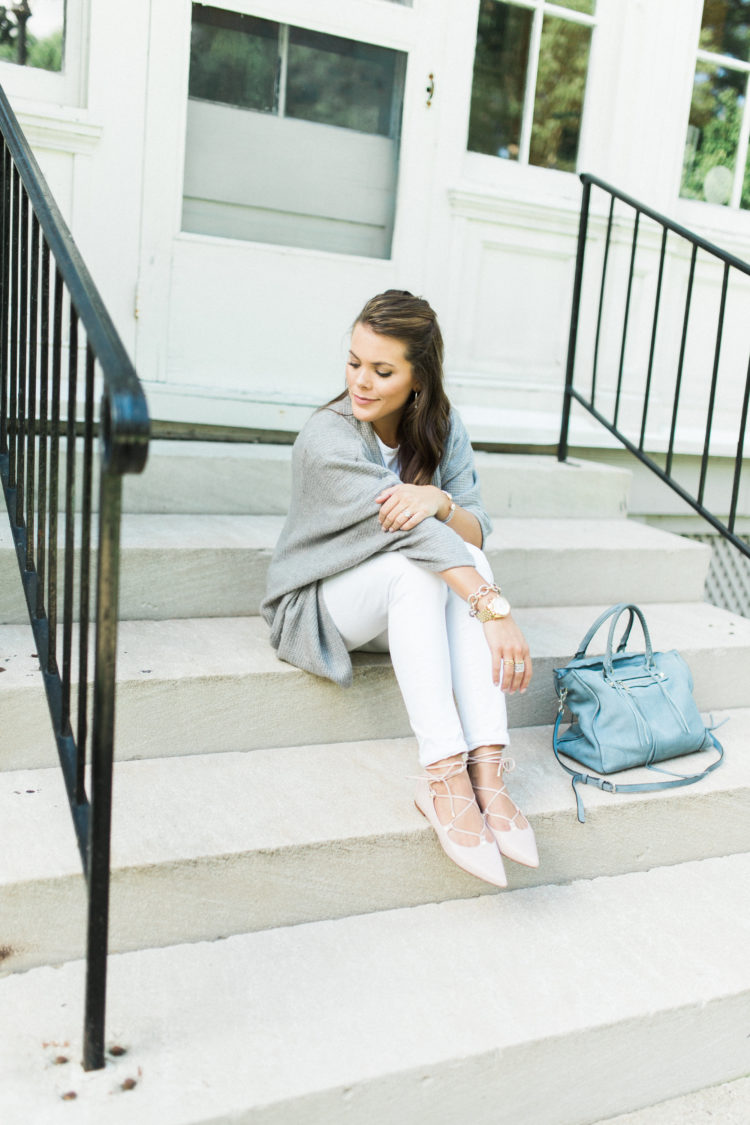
[[231, 843], [256, 479], [225, 478], [211, 684], [726, 1104], [215, 566], [479, 1010]]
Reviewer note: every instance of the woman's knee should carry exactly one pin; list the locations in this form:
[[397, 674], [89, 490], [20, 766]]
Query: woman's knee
[[392, 571], [409, 578]]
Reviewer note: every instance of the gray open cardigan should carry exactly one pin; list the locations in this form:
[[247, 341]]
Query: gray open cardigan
[[332, 525]]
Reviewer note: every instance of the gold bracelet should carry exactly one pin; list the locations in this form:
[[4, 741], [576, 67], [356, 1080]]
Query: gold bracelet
[[480, 593]]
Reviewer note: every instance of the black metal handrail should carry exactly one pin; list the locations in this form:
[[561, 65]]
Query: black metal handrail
[[60, 356], [635, 444]]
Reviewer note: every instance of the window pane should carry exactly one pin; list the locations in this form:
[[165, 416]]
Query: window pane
[[586, 6], [713, 132], [233, 58], [294, 195], [560, 89], [497, 91], [725, 28], [33, 38], [342, 82], [745, 197]]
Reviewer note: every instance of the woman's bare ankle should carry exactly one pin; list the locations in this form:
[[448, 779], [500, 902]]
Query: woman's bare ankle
[[454, 800], [488, 779]]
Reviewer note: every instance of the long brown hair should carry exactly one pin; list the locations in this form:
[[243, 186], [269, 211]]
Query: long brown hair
[[425, 421]]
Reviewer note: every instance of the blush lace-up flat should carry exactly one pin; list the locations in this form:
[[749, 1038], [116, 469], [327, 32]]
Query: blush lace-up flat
[[514, 842], [482, 859]]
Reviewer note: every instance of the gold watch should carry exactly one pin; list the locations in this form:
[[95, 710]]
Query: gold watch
[[496, 610]]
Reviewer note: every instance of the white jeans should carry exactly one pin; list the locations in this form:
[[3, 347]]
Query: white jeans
[[440, 656]]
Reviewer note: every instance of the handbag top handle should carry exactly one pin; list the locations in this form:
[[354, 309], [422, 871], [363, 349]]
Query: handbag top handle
[[616, 612], [608, 668], [618, 609]]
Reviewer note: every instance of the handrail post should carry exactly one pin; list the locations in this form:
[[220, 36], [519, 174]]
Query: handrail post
[[102, 756], [562, 449]]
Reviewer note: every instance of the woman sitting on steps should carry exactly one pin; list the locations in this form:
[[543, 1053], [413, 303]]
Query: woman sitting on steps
[[381, 551]]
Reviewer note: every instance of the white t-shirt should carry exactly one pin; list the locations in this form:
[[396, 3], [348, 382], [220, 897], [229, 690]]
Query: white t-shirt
[[389, 455]]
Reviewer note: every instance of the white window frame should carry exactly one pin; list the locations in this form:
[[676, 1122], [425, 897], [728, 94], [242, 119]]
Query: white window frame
[[541, 8], [68, 86]]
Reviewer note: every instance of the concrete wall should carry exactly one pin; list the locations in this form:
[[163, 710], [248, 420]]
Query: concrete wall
[[237, 332]]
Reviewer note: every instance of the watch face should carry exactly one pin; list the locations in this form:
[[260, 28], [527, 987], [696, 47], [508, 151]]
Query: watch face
[[500, 606]]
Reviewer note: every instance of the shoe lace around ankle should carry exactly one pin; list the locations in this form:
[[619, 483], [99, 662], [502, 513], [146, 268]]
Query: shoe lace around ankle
[[504, 765], [449, 772]]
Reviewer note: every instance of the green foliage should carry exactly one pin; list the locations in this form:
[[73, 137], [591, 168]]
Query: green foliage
[[44, 54], [716, 136], [560, 88], [232, 67], [329, 80], [341, 82], [47, 54], [498, 90], [718, 100], [725, 28], [714, 126], [579, 5]]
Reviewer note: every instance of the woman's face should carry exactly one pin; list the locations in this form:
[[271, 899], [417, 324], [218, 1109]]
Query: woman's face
[[380, 380]]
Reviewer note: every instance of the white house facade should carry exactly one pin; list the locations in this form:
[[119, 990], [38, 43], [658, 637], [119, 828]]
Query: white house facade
[[241, 176]]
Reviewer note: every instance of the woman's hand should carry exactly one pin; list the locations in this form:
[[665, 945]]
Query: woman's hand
[[404, 506], [509, 650]]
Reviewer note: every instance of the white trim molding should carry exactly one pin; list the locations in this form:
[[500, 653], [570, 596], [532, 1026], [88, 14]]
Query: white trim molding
[[60, 131]]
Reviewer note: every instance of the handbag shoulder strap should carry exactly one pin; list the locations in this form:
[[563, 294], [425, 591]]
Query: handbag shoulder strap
[[580, 778]]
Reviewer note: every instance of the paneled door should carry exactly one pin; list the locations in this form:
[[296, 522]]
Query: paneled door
[[290, 174]]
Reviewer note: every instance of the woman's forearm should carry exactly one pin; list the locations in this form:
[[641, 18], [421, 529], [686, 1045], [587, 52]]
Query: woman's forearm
[[404, 506], [467, 526], [463, 580], [511, 662]]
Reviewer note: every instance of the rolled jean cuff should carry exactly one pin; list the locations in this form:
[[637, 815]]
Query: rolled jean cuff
[[492, 738], [432, 750]]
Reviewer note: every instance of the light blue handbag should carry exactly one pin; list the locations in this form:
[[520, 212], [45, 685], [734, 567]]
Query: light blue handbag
[[628, 709]]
